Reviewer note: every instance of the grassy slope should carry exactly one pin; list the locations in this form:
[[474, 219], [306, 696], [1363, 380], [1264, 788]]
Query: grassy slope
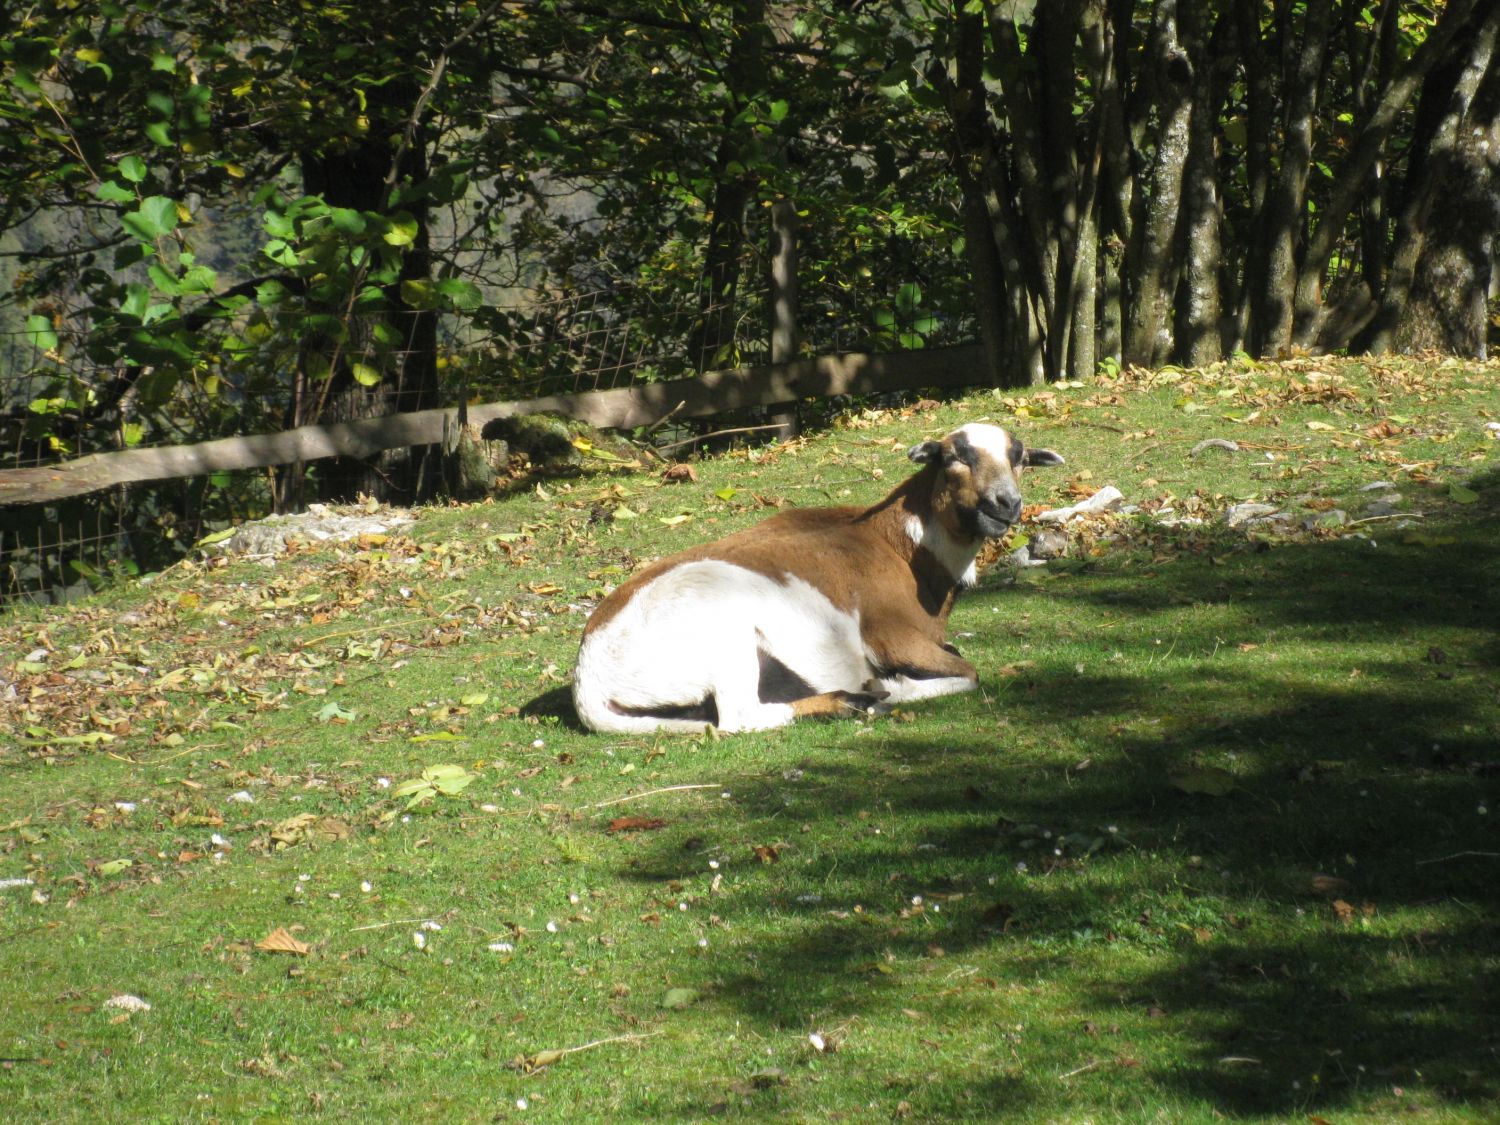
[[1003, 905]]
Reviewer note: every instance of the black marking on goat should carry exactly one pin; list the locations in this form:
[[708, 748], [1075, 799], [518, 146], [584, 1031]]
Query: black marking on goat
[[964, 451], [705, 710], [778, 683]]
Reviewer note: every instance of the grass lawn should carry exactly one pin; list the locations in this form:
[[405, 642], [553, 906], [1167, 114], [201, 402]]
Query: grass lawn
[[1215, 840]]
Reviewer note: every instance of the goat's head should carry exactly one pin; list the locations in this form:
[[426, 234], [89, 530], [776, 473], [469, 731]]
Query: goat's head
[[977, 493]]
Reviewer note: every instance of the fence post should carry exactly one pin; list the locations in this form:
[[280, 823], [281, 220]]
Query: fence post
[[783, 302]]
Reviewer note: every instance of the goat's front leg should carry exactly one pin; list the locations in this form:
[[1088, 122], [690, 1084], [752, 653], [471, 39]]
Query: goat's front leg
[[921, 669]]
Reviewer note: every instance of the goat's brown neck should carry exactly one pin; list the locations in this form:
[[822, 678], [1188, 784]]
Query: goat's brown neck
[[937, 584]]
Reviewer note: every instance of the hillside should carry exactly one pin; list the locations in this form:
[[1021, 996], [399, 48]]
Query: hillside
[[1217, 837]]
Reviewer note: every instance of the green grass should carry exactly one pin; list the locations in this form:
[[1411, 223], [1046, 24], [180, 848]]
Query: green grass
[[999, 906]]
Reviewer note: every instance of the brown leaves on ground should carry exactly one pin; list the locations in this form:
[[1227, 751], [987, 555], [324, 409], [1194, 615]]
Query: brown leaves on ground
[[636, 824], [280, 940], [768, 853]]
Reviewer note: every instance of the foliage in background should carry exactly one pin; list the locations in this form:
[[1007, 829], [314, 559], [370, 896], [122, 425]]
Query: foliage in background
[[224, 219]]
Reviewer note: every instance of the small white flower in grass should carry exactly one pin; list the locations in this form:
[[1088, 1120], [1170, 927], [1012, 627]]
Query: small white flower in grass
[[726, 794], [366, 886], [382, 783], [489, 808], [538, 744], [1021, 867], [243, 797], [573, 899], [432, 927], [303, 878], [937, 908], [818, 1042], [522, 1103], [515, 792], [713, 865], [419, 939], [703, 943], [406, 820], [501, 947], [126, 806], [1484, 810], [219, 842], [916, 900], [551, 927]]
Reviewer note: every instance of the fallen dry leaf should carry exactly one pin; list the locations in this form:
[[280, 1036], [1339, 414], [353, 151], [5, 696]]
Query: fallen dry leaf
[[636, 824], [1330, 885], [676, 474], [280, 941], [767, 853]]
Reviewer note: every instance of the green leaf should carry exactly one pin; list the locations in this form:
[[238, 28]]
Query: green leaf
[[475, 699], [39, 332], [460, 294], [417, 294], [346, 220], [271, 292], [1208, 780], [156, 216], [727, 493], [113, 867], [280, 253], [364, 374], [677, 999], [401, 231], [1462, 495], [111, 192], [335, 712]]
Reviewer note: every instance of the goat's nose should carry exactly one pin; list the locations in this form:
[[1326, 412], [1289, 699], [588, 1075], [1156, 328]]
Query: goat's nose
[[1005, 508]]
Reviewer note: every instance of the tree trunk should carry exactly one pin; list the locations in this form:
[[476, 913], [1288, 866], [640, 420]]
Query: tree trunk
[[1197, 332], [712, 343], [1150, 256], [1448, 307], [1448, 95], [1354, 177]]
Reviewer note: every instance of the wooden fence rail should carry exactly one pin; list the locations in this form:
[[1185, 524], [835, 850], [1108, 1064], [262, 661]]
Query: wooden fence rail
[[713, 392]]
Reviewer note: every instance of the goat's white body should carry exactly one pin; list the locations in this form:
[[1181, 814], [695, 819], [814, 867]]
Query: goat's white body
[[697, 631]]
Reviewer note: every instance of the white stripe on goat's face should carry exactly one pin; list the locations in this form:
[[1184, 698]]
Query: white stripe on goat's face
[[977, 493]]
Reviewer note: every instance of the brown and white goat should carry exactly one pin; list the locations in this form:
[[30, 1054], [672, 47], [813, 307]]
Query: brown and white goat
[[814, 612]]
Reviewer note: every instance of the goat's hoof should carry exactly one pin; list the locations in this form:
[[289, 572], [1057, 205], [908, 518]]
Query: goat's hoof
[[864, 703]]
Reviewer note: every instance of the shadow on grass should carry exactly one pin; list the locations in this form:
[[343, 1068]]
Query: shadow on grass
[[1372, 764]]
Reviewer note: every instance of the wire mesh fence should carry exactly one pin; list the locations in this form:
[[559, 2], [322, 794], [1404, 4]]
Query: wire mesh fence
[[56, 404]]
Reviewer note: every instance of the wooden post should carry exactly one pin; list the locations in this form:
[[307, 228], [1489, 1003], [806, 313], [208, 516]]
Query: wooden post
[[783, 302]]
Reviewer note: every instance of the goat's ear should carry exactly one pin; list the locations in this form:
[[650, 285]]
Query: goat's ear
[[1041, 457], [925, 453]]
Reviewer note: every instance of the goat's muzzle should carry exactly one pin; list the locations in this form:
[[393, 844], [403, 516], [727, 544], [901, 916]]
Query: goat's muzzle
[[993, 516]]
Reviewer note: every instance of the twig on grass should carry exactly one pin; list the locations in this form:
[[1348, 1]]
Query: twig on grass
[[1080, 1070], [716, 433], [647, 793], [397, 922], [1459, 855], [543, 1059]]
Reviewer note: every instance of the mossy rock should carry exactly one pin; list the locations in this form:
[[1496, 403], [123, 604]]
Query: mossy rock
[[552, 443]]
